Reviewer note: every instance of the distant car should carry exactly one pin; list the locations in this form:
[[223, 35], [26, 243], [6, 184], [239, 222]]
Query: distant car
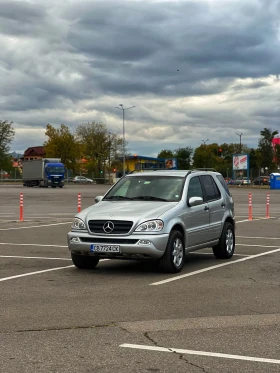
[[228, 181], [261, 180], [4, 175], [242, 181], [83, 180]]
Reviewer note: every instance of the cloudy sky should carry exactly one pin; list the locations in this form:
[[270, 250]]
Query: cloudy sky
[[193, 69]]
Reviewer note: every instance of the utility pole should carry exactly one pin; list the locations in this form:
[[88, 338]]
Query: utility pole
[[123, 110], [240, 146], [204, 142]]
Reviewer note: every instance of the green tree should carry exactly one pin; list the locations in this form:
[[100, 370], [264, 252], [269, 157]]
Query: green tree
[[166, 153], [63, 144], [266, 148], [100, 146], [7, 134], [184, 157]]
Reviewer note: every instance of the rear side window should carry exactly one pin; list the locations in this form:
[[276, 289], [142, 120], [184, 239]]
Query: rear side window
[[211, 189], [224, 184]]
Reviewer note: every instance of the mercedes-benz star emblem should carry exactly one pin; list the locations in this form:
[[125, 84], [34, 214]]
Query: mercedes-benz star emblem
[[108, 227]]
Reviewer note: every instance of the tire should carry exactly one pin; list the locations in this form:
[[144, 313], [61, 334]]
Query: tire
[[84, 261], [173, 258], [226, 245]]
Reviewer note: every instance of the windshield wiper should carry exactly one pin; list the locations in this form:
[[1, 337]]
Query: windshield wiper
[[117, 197], [150, 198]]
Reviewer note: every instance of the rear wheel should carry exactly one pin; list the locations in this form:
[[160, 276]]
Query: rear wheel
[[226, 245], [84, 261], [173, 258]]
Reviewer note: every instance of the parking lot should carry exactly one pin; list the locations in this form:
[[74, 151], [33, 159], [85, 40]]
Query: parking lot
[[125, 316]]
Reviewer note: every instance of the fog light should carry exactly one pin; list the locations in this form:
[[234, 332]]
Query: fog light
[[144, 242], [75, 240]]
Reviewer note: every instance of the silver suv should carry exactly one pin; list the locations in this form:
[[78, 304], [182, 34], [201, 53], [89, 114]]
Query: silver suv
[[158, 215]]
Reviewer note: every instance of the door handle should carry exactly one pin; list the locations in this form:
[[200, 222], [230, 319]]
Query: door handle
[[223, 204], [206, 208]]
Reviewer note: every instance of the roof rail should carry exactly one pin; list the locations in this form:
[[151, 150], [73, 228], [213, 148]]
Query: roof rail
[[204, 169]]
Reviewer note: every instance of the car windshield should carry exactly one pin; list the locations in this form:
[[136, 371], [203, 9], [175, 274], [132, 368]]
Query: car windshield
[[56, 169], [147, 188]]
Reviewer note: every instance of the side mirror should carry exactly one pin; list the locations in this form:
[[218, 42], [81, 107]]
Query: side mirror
[[195, 201], [98, 199]]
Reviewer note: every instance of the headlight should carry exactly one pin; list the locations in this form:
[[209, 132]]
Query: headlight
[[150, 226], [78, 224]]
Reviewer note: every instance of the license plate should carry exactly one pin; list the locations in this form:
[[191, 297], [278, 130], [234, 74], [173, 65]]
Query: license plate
[[105, 248]]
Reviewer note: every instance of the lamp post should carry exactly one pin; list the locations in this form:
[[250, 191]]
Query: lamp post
[[240, 146], [204, 142], [123, 110]]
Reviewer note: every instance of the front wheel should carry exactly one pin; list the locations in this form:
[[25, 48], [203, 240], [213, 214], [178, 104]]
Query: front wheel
[[226, 245], [84, 261], [173, 258]]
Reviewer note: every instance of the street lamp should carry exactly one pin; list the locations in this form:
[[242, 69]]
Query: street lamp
[[240, 147], [204, 141], [123, 110]]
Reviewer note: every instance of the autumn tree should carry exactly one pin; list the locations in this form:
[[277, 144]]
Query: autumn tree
[[64, 145], [7, 134]]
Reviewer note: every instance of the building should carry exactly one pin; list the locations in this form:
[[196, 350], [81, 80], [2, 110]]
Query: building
[[140, 162], [34, 152]]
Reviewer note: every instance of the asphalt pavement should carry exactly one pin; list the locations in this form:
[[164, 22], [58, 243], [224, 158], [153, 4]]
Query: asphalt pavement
[[125, 316]]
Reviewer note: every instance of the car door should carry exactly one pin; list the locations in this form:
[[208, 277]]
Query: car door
[[197, 217], [216, 205]]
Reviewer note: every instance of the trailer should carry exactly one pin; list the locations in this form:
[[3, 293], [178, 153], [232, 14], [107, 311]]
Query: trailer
[[43, 173]]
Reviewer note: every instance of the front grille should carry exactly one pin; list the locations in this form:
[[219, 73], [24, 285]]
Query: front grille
[[120, 226], [113, 241]]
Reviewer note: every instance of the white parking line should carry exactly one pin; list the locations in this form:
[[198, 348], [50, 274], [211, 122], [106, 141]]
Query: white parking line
[[258, 238], [32, 257], [34, 226], [195, 252], [213, 267], [243, 244], [34, 273], [201, 353], [30, 244]]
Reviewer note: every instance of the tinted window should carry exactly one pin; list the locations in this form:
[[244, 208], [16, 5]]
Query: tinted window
[[224, 184], [195, 189], [211, 189]]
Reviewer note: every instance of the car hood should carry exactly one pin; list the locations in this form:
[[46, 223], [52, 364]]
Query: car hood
[[126, 210]]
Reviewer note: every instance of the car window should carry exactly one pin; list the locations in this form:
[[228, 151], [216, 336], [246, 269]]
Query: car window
[[224, 184], [148, 188], [211, 189], [195, 188]]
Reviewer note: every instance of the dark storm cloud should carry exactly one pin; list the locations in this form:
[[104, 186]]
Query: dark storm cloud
[[86, 56]]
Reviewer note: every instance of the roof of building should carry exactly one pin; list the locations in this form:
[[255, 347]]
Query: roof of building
[[34, 150], [129, 157]]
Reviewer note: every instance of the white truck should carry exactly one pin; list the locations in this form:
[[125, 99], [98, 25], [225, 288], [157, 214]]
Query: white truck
[[43, 173]]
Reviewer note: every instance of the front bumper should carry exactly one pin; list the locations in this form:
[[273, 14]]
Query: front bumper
[[133, 246]]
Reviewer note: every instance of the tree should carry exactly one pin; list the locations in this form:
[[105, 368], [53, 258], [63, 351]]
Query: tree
[[63, 144], [184, 157], [7, 134], [266, 148], [166, 154], [99, 145]]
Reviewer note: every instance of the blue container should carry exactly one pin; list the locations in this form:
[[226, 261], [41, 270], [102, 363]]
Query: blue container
[[275, 181]]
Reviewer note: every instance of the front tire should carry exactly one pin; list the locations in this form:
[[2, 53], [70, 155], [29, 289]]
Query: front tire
[[173, 258], [226, 245], [84, 261]]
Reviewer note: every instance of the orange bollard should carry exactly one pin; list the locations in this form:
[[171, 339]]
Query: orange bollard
[[79, 202], [267, 206], [21, 207], [250, 207]]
